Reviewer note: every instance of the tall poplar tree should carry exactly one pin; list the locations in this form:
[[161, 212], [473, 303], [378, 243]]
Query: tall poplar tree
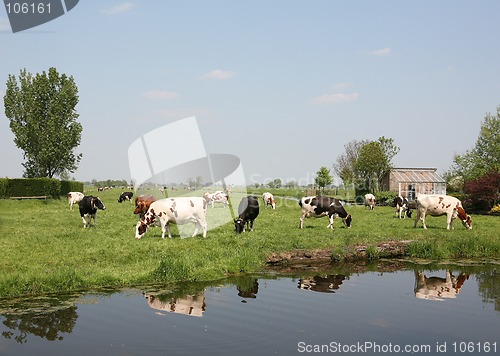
[[41, 110]]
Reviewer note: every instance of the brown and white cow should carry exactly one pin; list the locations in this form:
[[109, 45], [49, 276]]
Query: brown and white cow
[[216, 197], [179, 210], [73, 198], [370, 201], [318, 206], [142, 203], [269, 200], [438, 288], [437, 205]]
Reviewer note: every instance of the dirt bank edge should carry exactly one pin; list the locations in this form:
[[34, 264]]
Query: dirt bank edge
[[386, 249]]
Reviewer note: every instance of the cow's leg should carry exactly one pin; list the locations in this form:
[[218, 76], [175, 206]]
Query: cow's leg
[[168, 231], [449, 220], [93, 216], [164, 227], [251, 225], [196, 228], [203, 224], [84, 222], [417, 218], [423, 220], [330, 225]]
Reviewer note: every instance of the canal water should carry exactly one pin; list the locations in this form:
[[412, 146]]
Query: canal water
[[369, 308]]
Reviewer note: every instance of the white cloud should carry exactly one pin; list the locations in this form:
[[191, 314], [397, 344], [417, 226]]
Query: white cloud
[[160, 94], [378, 52], [335, 98], [219, 74], [126, 6]]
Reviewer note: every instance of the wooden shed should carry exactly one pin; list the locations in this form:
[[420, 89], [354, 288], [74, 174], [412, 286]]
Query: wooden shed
[[408, 182]]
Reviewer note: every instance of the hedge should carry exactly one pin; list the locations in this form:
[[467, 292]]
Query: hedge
[[4, 183], [26, 187]]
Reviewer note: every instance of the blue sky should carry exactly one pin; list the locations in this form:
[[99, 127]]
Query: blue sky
[[283, 85]]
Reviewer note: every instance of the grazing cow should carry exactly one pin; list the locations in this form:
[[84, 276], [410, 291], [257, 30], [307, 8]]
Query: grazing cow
[[125, 196], [437, 288], [402, 207], [180, 211], [216, 197], [88, 209], [370, 201], [142, 203], [248, 210], [317, 206], [269, 200], [437, 205], [74, 197]]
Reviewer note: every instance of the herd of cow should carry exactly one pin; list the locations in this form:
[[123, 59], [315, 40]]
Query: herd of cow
[[183, 210]]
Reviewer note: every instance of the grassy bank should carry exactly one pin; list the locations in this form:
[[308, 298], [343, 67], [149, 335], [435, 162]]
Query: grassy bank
[[45, 248]]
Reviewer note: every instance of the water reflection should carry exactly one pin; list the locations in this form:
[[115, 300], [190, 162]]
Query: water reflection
[[323, 284], [438, 288], [47, 317], [247, 287], [192, 305], [54, 318]]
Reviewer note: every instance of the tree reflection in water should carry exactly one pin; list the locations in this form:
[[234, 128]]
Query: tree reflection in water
[[45, 317]]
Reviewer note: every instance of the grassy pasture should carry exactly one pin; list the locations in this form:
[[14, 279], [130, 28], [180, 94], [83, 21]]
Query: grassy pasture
[[45, 248]]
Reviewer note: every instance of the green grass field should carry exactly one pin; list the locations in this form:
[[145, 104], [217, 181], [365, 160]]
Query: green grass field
[[45, 248]]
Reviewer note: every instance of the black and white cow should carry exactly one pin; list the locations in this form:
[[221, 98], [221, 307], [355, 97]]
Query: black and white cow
[[126, 196], [317, 206], [248, 210], [88, 209], [402, 207]]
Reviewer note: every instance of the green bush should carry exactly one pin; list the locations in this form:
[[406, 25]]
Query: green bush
[[4, 184], [19, 187], [385, 198], [70, 186]]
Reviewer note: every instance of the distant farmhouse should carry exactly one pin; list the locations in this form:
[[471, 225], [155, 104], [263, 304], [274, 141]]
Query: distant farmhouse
[[408, 182]]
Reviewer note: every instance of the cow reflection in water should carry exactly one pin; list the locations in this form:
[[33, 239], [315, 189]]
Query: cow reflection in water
[[193, 305], [328, 284], [437, 288]]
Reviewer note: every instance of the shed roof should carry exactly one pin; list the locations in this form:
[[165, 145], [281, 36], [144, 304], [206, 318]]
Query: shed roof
[[417, 175]]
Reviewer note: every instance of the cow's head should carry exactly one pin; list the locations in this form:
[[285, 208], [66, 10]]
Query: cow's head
[[140, 229], [97, 203], [140, 207], [347, 220], [466, 220], [408, 213], [239, 225], [272, 202]]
